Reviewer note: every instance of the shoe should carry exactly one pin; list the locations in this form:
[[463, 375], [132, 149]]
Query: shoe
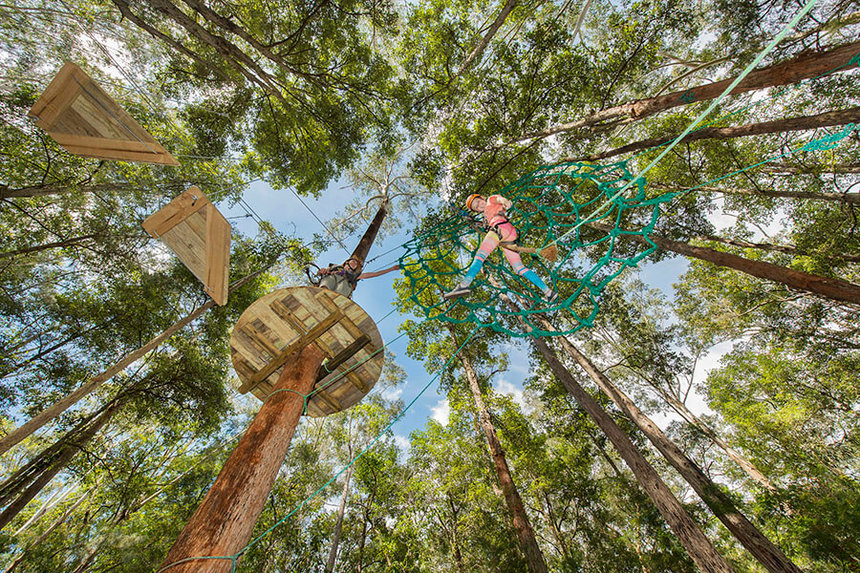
[[459, 290], [550, 295]]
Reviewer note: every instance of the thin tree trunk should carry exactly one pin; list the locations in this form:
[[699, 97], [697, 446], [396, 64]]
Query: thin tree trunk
[[764, 551], [800, 68], [698, 546], [47, 246], [779, 168], [57, 498], [827, 119], [747, 466], [525, 534], [485, 41], [61, 405], [556, 532], [44, 535], [853, 198], [455, 536], [835, 289], [338, 528], [61, 461]]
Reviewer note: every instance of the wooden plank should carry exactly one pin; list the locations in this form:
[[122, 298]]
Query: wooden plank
[[261, 339], [217, 255], [285, 313], [188, 248], [330, 400], [191, 201], [58, 96], [81, 141], [356, 381], [331, 366], [102, 153], [291, 349]]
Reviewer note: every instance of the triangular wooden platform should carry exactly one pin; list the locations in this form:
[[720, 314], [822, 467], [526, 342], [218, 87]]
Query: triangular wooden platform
[[193, 228], [276, 326], [83, 119]]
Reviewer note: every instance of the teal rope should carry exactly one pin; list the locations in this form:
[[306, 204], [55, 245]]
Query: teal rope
[[704, 114], [297, 393]]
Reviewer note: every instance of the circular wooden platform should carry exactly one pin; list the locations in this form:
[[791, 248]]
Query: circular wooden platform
[[279, 324]]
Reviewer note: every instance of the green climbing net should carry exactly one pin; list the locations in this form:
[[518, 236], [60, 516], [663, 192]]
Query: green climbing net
[[589, 211]]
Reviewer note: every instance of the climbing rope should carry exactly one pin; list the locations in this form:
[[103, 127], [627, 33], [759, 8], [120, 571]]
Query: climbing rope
[[557, 204]]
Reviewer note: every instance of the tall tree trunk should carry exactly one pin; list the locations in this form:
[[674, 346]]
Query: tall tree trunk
[[61, 405], [800, 68], [769, 247], [525, 534], [852, 198], [836, 289], [700, 549], [338, 528], [827, 119], [363, 248], [698, 546], [61, 461], [764, 551], [225, 519]]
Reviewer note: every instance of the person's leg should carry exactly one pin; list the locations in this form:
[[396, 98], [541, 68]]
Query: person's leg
[[490, 242], [516, 262]]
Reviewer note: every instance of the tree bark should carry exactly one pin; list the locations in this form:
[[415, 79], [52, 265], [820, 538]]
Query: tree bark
[[779, 168], [64, 456], [852, 198], [694, 541], [800, 68], [363, 248], [338, 528], [761, 548], [770, 247], [225, 519], [827, 119], [61, 405], [835, 289], [700, 549], [525, 534]]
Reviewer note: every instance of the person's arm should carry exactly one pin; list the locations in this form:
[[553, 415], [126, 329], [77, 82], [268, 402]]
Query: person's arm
[[499, 200], [377, 273]]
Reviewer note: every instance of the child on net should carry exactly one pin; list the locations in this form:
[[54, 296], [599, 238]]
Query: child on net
[[500, 231]]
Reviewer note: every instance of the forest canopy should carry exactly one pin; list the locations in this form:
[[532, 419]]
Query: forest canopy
[[697, 409]]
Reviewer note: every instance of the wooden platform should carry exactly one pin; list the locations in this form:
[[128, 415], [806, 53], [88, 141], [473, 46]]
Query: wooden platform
[[84, 120], [276, 326], [193, 228]]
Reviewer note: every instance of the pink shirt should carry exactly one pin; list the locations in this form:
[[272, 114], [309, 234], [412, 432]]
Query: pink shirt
[[494, 210]]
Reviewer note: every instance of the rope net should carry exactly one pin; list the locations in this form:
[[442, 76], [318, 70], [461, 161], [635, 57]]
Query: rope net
[[588, 211]]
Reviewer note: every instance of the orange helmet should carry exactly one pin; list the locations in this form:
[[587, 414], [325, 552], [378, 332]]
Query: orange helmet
[[470, 199]]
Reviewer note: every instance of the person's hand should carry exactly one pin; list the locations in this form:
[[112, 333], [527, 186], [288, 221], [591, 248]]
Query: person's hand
[[323, 271]]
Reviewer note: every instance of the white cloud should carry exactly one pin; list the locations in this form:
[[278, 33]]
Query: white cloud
[[402, 443], [442, 411], [392, 393], [506, 387]]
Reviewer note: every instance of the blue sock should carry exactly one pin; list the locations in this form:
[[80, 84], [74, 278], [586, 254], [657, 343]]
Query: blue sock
[[473, 271], [535, 279]]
